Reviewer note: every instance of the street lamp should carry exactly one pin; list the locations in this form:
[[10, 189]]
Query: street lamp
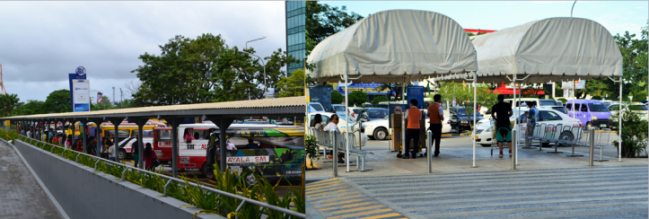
[[264, 64]]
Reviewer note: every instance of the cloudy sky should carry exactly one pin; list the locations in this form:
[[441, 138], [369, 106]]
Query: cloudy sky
[[616, 16], [41, 42]]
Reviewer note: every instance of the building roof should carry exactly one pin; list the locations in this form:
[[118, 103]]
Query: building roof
[[279, 106]]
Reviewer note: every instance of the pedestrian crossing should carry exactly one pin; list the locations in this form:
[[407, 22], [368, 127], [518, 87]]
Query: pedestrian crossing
[[588, 192], [335, 199]]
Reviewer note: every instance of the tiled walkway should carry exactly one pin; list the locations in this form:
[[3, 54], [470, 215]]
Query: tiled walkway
[[584, 192]]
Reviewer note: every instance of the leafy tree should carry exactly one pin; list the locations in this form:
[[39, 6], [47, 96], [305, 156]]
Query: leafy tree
[[357, 98], [32, 107], [8, 103], [204, 69], [379, 99], [104, 104], [292, 86], [58, 102], [336, 97], [323, 20]]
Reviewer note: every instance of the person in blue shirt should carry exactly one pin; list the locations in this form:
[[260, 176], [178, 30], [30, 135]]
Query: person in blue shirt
[[532, 117]]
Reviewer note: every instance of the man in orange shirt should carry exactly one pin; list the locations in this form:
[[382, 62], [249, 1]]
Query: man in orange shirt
[[436, 116], [413, 115]]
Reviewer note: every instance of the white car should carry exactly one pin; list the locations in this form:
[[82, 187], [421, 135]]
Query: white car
[[485, 132], [379, 129], [639, 108]]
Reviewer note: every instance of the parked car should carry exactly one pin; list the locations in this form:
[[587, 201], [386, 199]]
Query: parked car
[[459, 119], [485, 131], [639, 108], [338, 108], [593, 113], [380, 129], [315, 107]]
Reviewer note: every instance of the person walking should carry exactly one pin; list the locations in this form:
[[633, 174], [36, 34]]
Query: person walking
[[532, 118], [333, 126], [412, 117], [150, 157], [68, 141], [92, 144], [436, 116], [135, 148], [501, 112]]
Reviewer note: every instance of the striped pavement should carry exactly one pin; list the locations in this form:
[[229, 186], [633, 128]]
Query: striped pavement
[[584, 192], [335, 199]]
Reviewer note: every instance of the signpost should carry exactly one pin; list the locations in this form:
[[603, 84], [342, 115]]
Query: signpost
[[79, 90]]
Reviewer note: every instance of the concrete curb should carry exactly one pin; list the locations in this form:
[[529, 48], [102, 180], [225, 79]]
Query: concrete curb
[[47, 192]]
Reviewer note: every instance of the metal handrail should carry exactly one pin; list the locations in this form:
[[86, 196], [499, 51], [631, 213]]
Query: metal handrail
[[230, 195]]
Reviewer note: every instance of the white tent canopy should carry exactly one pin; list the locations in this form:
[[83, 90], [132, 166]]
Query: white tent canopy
[[394, 45], [552, 49]]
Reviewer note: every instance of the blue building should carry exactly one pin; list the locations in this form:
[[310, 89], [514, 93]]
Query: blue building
[[295, 34]]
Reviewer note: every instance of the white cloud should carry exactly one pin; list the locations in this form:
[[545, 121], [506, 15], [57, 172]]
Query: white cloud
[[41, 42]]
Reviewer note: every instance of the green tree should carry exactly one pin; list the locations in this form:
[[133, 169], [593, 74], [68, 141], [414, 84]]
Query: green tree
[[323, 20], [58, 102], [292, 86], [336, 97], [204, 69], [8, 103], [357, 98], [379, 99], [32, 107]]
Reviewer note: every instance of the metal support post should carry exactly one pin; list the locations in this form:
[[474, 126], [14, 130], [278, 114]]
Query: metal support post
[[73, 141], [573, 153], [334, 142], [174, 147], [116, 139], [360, 140], [591, 141], [84, 127], [429, 142], [514, 139]]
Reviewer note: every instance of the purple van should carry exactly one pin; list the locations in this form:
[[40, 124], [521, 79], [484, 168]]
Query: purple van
[[593, 113]]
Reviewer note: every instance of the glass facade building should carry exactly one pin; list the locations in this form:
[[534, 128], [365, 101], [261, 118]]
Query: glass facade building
[[295, 35]]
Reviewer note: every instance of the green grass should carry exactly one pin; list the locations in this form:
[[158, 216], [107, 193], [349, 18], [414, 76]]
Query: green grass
[[227, 181]]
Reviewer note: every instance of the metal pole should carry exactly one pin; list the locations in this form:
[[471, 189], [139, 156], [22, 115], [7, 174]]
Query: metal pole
[[346, 122], [475, 109], [520, 94], [334, 142], [619, 129], [573, 7], [222, 144], [116, 140], [84, 136], [403, 121], [73, 141], [174, 147], [429, 142], [140, 144], [514, 138], [591, 141], [360, 141]]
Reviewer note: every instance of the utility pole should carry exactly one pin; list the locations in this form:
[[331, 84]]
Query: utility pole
[[121, 100], [111, 104]]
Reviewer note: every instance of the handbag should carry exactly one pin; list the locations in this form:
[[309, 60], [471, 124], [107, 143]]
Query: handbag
[[156, 162]]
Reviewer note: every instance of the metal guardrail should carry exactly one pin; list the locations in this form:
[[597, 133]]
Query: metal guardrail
[[244, 200], [335, 141]]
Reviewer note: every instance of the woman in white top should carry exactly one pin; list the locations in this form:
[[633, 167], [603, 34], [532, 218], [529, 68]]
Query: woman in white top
[[317, 122]]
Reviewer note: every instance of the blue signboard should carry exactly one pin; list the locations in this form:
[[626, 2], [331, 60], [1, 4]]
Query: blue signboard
[[369, 88], [81, 107], [417, 93]]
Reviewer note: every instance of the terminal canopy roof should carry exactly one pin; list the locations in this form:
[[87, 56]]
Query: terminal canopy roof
[[552, 49], [393, 45]]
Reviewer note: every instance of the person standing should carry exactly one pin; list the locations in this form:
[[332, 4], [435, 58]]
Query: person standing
[[149, 157], [68, 141], [501, 112], [317, 120], [92, 144], [111, 153], [436, 116], [532, 117], [29, 133], [135, 147], [413, 115]]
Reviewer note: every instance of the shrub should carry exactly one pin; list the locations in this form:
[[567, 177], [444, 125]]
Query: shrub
[[379, 99], [336, 98], [634, 134], [563, 100], [357, 98]]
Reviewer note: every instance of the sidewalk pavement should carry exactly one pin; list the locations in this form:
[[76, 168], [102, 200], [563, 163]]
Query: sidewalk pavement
[[460, 160]]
